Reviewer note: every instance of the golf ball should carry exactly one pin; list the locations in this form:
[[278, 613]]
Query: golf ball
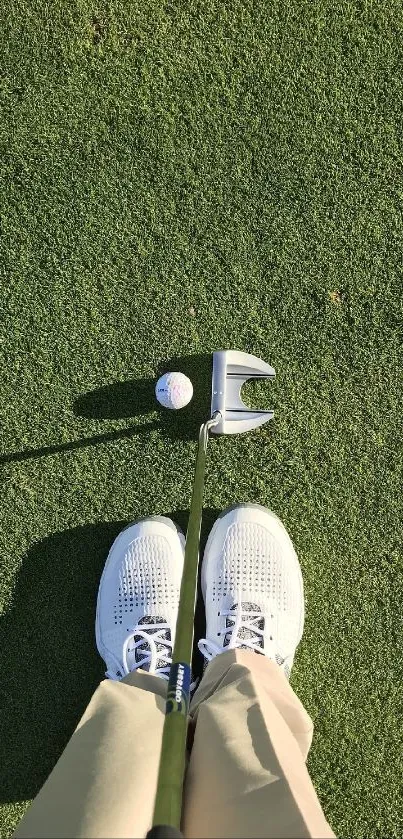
[[174, 390]]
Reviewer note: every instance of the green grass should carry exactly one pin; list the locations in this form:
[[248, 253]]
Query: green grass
[[178, 178]]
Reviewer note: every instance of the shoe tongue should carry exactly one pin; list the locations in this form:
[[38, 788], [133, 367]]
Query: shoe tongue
[[244, 632], [134, 656]]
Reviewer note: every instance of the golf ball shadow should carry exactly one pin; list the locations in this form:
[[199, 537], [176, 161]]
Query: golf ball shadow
[[136, 398]]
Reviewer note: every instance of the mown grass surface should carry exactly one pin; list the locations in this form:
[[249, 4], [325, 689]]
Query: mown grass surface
[[178, 178]]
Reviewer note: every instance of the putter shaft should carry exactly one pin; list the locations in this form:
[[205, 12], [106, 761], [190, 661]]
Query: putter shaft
[[168, 803]]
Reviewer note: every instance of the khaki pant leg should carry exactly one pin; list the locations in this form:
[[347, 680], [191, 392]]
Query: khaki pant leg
[[105, 781], [247, 775]]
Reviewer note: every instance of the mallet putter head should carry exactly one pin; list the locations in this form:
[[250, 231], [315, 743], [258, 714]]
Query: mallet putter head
[[231, 369]]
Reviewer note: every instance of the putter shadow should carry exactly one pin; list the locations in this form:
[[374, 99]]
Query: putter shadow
[[48, 652], [43, 451]]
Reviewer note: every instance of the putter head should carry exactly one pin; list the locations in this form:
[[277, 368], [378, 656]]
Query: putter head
[[231, 369]]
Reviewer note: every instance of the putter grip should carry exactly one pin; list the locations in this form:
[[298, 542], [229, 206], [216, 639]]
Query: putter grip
[[164, 831]]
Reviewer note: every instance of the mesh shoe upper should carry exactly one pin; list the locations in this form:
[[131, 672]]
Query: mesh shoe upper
[[252, 586], [138, 598]]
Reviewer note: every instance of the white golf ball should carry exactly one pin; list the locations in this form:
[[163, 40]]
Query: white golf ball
[[174, 390]]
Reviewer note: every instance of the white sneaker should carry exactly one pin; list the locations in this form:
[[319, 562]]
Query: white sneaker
[[252, 587], [138, 598]]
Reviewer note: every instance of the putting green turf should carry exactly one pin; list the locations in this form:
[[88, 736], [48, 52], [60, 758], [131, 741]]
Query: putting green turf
[[178, 178]]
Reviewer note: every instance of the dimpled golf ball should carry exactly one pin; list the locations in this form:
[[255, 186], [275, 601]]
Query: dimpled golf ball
[[174, 390]]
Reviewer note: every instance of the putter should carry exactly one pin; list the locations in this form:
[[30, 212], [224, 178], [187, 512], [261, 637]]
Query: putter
[[229, 415]]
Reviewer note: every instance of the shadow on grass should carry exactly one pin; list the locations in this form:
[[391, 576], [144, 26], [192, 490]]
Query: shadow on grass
[[49, 660], [132, 399], [136, 397], [96, 439]]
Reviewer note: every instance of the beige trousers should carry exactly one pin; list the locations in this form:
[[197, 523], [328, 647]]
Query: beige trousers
[[246, 775]]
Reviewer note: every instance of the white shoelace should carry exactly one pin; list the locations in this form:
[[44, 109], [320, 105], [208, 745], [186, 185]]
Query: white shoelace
[[209, 649], [150, 657]]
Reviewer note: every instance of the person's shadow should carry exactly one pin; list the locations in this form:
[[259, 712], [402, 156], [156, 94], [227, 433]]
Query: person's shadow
[[47, 647], [49, 660]]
